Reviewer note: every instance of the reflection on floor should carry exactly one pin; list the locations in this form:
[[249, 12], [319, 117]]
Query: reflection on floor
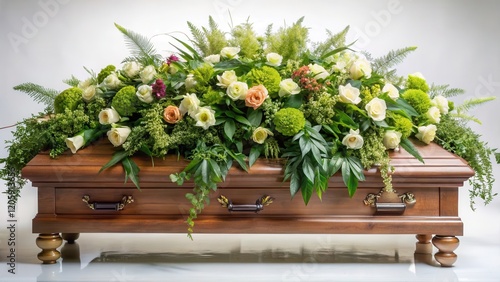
[[163, 257]]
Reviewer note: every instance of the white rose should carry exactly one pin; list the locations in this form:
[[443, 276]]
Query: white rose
[[288, 87], [442, 103], [318, 71], [274, 59], [108, 116], [118, 135], [418, 74], [237, 90], [349, 94], [426, 133], [111, 81], [361, 67], [75, 143], [376, 109], [147, 74], [391, 90], [190, 82], [189, 104], [260, 134], [226, 78], [205, 117], [145, 93], [353, 140], [89, 92], [86, 83], [230, 52], [392, 139], [212, 59], [131, 69], [433, 114], [343, 61]]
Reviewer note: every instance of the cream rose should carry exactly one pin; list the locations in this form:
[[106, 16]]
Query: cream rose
[[75, 143], [360, 68], [391, 90], [89, 93], [108, 116], [230, 52], [426, 133], [376, 109], [147, 74], [256, 96], [392, 139], [441, 103], [226, 78], [318, 71], [86, 83], [353, 140], [189, 104], [172, 114], [212, 59], [190, 82], [237, 90], [205, 117], [118, 135], [288, 87], [111, 81], [349, 94], [274, 59], [145, 93], [434, 115], [131, 69], [260, 134]]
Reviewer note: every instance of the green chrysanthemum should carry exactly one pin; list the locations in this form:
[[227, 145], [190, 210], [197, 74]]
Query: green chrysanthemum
[[267, 76], [289, 121], [105, 72], [415, 82], [418, 99], [68, 99], [125, 101], [402, 125]]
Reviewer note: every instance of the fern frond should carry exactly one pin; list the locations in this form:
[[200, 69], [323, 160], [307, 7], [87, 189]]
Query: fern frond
[[199, 39], [392, 58], [392, 77], [73, 81], [38, 93], [215, 37], [474, 102], [140, 46], [445, 91], [333, 41], [465, 117]]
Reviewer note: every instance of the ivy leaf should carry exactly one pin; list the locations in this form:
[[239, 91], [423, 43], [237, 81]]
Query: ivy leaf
[[410, 148], [131, 171]]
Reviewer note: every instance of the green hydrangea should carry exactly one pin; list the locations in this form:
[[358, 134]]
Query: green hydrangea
[[289, 121], [125, 101], [213, 97], [418, 99], [402, 125], [415, 82], [267, 76], [105, 72], [68, 99]]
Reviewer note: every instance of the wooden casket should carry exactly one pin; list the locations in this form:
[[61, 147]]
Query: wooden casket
[[73, 198]]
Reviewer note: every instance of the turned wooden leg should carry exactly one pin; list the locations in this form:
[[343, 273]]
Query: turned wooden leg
[[70, 237], [49, 244], [423, 249], [446, 246]]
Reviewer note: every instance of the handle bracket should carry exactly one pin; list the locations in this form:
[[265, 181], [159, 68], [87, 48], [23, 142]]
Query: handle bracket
[[259, 205], [108, 206], [389, 202]]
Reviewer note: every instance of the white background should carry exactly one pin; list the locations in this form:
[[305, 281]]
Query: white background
[[47, 41]]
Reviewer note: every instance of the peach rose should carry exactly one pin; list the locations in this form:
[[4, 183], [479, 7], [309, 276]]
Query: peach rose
[[256, 96], [172, 114]]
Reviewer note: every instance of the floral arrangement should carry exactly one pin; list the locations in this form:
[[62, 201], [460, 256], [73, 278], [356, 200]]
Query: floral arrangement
[[232, 97]]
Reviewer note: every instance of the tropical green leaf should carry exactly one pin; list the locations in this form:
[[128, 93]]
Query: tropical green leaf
[[243, 120], [140, 46], [229, 128], [307, 190], [255, 117], [308, 169], [254, 155], [117, 157], [294, 184], [410, 148], [131, 171]]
